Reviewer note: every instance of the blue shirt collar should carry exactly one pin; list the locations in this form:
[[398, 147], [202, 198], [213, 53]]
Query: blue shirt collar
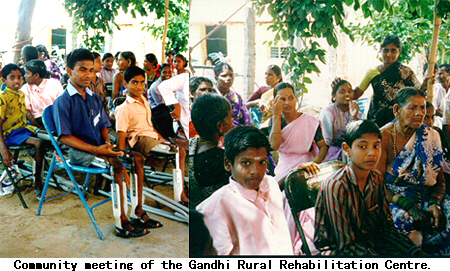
[[72, 90]]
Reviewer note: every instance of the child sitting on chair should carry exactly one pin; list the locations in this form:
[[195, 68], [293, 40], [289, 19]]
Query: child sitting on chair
[[134, 117], [82, 124], [353, 216], [13, 123], [245, 217]]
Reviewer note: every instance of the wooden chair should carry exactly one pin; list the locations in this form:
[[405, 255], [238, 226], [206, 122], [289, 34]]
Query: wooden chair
[[301, 191]]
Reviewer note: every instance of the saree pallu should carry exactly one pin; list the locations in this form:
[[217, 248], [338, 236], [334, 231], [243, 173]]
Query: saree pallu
[[297, 144], [415, 171], [385, 87]]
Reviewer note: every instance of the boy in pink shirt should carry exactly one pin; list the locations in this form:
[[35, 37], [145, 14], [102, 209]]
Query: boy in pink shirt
[[246, 216]]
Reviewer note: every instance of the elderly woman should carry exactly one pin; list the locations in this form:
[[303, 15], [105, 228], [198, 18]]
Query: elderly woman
[[411, 162], [212, 118]]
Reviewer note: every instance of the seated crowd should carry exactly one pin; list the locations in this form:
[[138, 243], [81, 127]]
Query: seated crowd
[[82, 119], [388, 198]]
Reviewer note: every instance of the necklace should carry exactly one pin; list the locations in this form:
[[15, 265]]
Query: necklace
[[394, 139]]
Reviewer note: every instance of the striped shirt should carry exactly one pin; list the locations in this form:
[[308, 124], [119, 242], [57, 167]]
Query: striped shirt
[[351, 222]]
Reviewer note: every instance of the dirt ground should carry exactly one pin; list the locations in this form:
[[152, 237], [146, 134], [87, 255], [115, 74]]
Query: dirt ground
[[64, 230]]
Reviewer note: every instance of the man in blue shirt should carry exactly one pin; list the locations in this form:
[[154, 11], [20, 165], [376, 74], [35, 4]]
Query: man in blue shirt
[[82, 124]]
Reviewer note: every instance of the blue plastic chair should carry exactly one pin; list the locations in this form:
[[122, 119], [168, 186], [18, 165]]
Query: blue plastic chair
[[58, 161]]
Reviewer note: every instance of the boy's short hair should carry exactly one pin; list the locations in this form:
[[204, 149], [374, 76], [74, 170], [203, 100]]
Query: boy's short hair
[[243, 138], [170, 52], [357, 128], [30, 52], [37, 66], [131, 72], [207, 111], [9, 68], [106, 56], [79, 54], [429, 104], [128, 55]]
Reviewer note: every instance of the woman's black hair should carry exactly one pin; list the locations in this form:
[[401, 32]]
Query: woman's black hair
[[128, 55], [37, 66], [357, 128], [170, 52], [207, 111], [161, 68], [42, 49], [405, 93], [243, 138], [277, 70], [281, 86], [219, 67], [194, 82], [183, 58], [336, 86], [95, 54], [152, 59], [30, 52], [392, 39], [106, 56]]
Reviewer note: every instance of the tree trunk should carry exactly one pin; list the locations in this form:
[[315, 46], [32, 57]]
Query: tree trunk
[[250, 52], [23, 30], [74, 33], [432, 57], [163, 57]]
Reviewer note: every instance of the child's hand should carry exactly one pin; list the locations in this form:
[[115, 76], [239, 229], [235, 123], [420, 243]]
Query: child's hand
[[310, 167], [277, 107], [354, 109], [7, 158]]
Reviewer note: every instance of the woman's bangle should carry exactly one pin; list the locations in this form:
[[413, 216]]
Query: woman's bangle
[[405, 203], [434, 201], [395, 198]]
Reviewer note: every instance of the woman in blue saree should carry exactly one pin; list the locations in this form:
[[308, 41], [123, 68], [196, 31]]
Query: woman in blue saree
[[411, 162]]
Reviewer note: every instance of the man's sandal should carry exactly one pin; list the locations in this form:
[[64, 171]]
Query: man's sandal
[[126, 233], [150, 223]]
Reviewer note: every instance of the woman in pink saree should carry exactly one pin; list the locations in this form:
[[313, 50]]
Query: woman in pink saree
[[298, 138]]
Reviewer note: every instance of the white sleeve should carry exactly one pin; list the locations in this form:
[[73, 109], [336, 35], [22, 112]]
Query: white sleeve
[[169, 87]]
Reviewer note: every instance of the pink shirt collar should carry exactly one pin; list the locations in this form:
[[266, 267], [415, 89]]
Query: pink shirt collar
[[249, 194]]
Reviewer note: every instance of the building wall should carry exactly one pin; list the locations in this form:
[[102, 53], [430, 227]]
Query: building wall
[[350, 60]]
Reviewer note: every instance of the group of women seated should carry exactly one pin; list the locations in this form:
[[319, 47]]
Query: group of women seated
[[411, 160]]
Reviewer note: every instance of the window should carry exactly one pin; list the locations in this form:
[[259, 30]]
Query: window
[[277, 52]]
